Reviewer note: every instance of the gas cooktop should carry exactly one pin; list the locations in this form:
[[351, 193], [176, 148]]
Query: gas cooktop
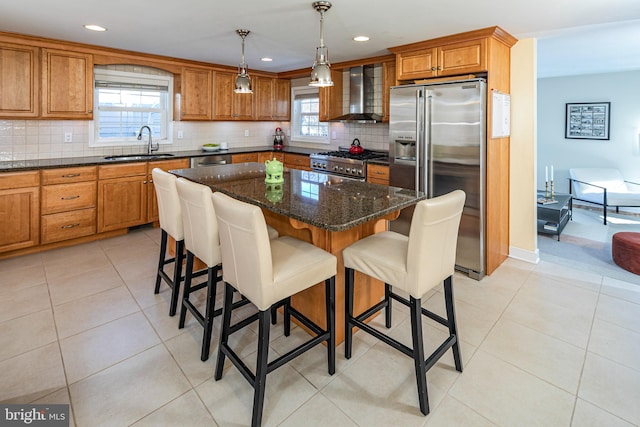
[[342, 162]]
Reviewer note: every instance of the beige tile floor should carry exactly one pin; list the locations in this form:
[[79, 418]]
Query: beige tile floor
[[542, 345]]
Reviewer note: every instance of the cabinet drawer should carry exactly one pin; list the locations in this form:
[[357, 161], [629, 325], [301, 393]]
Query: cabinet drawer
[[67, 197], [378, 172], [68, 225], [122, 170], [10, 180], [243, 158], [297, 161], [65, 175]]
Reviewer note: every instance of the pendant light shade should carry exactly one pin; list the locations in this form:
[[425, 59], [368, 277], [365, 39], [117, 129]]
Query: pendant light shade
[[321, 70], [243, 81]]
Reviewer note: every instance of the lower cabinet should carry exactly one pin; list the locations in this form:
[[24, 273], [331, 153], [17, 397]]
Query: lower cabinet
[[244, 157], [297, 161], [122, 196], [378, 174], [19, 210], [68, 204], [270, 155], [152, 201]]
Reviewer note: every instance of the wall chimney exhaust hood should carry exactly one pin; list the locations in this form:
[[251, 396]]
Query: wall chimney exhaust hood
[[362, 95]]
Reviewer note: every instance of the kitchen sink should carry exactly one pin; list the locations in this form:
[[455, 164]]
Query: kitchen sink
[[138, 156]]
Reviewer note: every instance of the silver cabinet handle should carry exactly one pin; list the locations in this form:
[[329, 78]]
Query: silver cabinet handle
[[70, 226], [69, 198], [71, 175]]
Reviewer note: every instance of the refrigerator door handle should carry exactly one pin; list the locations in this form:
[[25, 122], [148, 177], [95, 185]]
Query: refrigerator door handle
[[428, 147], [419, 130]]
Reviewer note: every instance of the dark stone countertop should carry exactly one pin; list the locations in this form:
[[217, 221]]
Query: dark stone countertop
[[325, 201], [25, 165]]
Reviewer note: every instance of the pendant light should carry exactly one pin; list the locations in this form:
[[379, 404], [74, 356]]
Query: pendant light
[[243, 81], [321, 70]]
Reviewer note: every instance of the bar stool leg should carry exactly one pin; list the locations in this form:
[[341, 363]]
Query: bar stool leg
[[227, 306], [261, 367], [212, 282], [287, 317], [348, 304], [161, 258], [418, 353], [177, 276], [188, 277], [387, 308], [451, 318], [330, 296]]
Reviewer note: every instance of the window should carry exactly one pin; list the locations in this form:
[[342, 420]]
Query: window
[[125, 101], [306, 124]]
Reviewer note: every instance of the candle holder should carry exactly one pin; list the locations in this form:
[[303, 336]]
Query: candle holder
[[549, 194], [552, 192]]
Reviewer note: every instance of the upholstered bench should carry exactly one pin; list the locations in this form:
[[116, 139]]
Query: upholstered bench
[[625, 249]]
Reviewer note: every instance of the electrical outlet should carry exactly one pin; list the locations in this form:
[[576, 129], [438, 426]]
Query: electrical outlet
[[246, 132], [68, 137], [180, 134]]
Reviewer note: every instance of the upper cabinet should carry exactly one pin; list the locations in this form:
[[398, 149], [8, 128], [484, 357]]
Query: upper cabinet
[[228, 105], [196, 90], [19, 85], [451, 59], [272, 98], [388, 80], [331, 98], [67, 84]]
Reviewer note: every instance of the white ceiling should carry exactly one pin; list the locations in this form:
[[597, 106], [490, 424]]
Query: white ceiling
[[575, 36]]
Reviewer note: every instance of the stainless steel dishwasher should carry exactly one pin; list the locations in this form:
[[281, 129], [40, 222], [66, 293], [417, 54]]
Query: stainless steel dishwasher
[[213, 159]]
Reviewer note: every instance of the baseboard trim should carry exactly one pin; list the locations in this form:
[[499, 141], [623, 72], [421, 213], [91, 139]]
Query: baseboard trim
[[532, 257]]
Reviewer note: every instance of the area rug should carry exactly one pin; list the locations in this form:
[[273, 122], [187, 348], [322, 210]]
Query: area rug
[[574, 250]]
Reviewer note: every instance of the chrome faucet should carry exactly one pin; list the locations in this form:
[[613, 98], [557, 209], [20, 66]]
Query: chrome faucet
[[150, 147]]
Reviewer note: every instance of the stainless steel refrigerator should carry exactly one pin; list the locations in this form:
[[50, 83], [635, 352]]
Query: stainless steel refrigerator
[[437, 138]]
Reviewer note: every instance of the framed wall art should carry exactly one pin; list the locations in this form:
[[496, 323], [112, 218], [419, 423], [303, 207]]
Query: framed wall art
[[589, 120]]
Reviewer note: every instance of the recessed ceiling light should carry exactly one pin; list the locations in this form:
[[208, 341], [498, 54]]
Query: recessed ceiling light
[[265, 59], [95, 27], [361, 38]]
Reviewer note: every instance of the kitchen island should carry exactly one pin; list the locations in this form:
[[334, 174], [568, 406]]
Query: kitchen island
[[328, 211]]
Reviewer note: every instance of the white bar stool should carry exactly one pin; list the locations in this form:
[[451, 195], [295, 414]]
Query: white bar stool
[[414, 264], [171, 224], [267, 272]]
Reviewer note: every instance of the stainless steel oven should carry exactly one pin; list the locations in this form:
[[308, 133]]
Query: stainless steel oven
[[343, 163], [212, 159]]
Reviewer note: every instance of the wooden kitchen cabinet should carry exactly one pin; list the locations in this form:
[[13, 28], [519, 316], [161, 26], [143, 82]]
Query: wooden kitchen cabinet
[[331, 98], [455, 58], [378, 174], [196, 92], [297, 161], [244, 157], [19, 210], [269, 155], [67, 84], [228, 105], [388, 80], [122, 196], [272, 98], [68, 203], [152, 201], [19, 81]]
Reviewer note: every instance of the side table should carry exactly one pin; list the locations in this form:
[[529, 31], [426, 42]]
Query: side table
[[553, 217]]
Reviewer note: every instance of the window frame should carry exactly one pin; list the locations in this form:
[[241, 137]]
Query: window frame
[[295, 117], [141, 78]]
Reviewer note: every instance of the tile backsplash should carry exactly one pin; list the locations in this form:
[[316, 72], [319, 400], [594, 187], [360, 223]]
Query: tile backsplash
[[44, 139]]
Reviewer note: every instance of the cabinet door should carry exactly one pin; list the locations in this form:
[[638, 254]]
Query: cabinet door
[[263, 90], [417, 64], [243, 106], [20, 218], [464, 57], [122, 202], [378, 174], [19, 85], [388, 80], [297, 161], [270, 155], [67, 84], [331, 98], [152, 201], [196, 94], [223, 84], [281, 99], [244, 157]]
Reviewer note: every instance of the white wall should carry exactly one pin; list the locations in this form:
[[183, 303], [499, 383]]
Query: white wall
[[622, 151]]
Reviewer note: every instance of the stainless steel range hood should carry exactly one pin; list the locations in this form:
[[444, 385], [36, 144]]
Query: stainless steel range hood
[[362, 96]]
